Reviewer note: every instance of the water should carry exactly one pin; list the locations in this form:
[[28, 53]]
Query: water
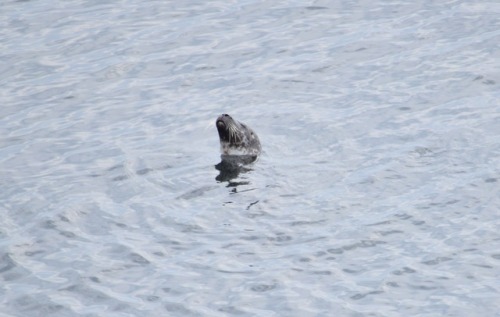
[[377, 193]]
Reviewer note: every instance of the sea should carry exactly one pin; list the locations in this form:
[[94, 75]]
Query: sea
[[377, 192]]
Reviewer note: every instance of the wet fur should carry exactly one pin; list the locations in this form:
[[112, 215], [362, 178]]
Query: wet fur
[[236, 138]]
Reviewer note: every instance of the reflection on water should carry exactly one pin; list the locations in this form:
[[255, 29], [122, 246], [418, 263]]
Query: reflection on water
[[231, 166]]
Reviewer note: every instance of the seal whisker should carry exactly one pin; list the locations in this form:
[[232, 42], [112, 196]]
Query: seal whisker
[[234, 133]]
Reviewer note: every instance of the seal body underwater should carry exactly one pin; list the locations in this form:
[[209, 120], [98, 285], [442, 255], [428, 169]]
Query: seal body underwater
[[237, 140]]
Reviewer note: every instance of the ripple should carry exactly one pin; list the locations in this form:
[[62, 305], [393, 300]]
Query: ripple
[[376, 187]]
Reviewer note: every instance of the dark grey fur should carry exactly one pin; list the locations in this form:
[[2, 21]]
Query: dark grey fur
[[236, 138]]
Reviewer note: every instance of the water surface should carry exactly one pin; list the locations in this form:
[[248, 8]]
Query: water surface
[[377, 193]]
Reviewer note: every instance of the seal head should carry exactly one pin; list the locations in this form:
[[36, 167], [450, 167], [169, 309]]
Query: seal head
[[236, 138]]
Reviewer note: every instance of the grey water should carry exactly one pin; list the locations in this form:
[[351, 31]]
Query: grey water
[[377, 192]]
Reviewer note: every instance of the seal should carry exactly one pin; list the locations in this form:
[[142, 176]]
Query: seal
[[237, 140]]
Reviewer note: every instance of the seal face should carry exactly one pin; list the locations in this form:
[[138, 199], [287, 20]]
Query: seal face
[[236, 138]]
